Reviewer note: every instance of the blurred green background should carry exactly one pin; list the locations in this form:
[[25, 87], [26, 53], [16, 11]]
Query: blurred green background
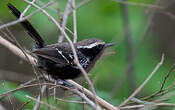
[[106, 20]]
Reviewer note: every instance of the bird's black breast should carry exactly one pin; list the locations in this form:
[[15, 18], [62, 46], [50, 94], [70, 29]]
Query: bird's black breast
[[58, 71]]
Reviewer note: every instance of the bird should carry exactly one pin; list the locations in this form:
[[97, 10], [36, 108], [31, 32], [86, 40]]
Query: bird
[[57, 60]]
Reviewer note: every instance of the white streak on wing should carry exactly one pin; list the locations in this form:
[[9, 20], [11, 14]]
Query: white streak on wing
[[61, 53], [91, 45], [70, 56]]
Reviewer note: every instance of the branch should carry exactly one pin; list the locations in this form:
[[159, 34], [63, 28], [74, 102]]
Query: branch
[[102, 102], [67, 12], [162, 85], [9, 97], [83, 96], [74, 20], [23, 105], [64, 22], [24, 18], [40, 2], [144, 83], [138, 4], [37, 104], [143, 105], [16, 50], [25, 11], [129, 47], [41, 102], [141, 40], [71, 101]]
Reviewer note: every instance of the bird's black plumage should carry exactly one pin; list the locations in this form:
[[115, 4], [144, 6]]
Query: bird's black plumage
[[57, 59]]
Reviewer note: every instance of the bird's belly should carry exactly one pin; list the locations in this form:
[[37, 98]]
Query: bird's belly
[[58, 72], [66, 72]]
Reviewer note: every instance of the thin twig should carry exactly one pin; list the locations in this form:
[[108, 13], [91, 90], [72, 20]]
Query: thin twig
[[29, 82], [74, 20], [144, 83], [24, 18], [162, 85], [64, 22], [142, 39], [67, 12], [166, 77], [102, 102], [129, 46], [28, 86], [40, 2], [16, 50], [41, 92], [9, 97], [82, 95], [6, 35], [25, 11], [37, 104], [82, 3], [24, 104], [138, 4], [71, 101], [161, 93], [54, 91], [143, 105], [41, 102], [16, 89], [47, 96]]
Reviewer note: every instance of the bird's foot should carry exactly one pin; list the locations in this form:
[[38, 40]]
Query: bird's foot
[[64, 83]]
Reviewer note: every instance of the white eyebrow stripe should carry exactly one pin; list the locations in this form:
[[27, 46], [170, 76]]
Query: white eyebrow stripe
[[61, 53], [91, 45]]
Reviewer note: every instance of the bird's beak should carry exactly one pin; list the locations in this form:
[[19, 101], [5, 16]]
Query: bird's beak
[[109, 44]]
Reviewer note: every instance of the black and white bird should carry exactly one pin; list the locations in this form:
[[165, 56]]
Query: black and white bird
[[57, 59]]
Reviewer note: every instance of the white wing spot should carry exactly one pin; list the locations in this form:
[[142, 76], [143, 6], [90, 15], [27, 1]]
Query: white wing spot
[[70, 56], [61, 53]]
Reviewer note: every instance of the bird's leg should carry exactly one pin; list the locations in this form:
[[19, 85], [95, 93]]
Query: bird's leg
[[64, 83], [59, 81]]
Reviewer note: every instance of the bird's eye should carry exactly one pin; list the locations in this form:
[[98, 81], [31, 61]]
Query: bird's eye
[[99, 46]]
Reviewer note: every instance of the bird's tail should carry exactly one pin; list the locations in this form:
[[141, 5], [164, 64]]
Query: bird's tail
[[28, 27]]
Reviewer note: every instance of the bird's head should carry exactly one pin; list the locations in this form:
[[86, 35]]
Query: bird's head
[[92, 47]]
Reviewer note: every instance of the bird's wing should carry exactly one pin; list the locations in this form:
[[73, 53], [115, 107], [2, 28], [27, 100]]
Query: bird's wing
[[56, 53]]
